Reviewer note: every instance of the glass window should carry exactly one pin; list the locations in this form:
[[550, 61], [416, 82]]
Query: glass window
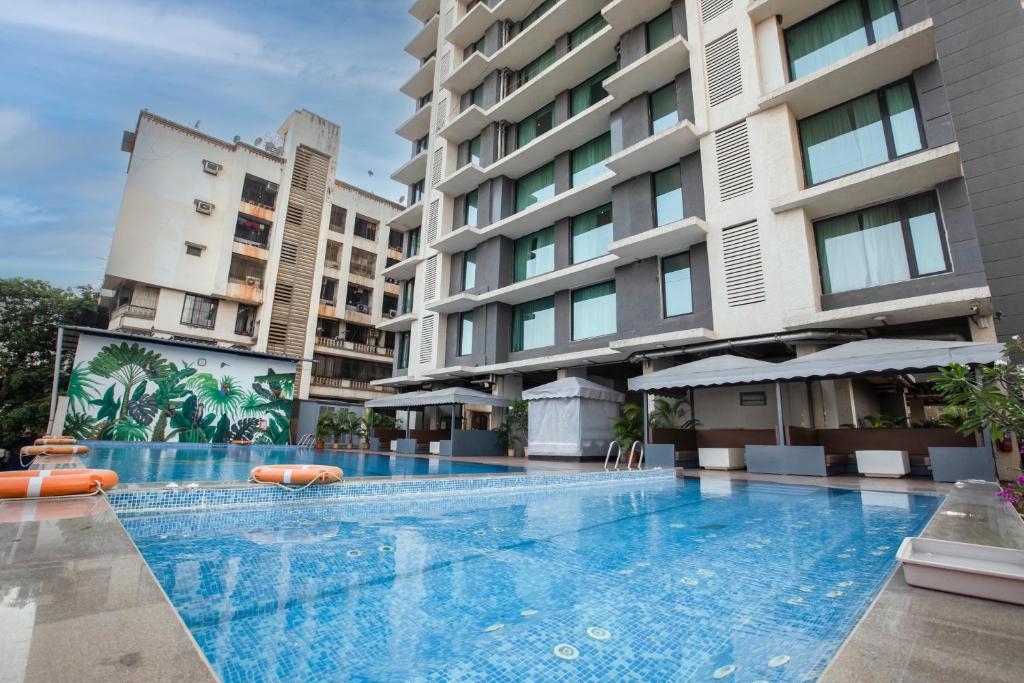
[[536, 14], [591, 234], [873, 247], [588, 160], [668, 196], [469, 269], [477, 96], [593, 311], [413, 248], [676, 289], [466, 333], [535, 187], [659, 31], [590, 91], [533, 324], [245, 320], [585, 30], [470, 211], [534, 254], [536, 124], [474, 150], [199, 311], [836, 32], [536, 67], [403, 350], [664, 108], [408, 289], [856, 135]]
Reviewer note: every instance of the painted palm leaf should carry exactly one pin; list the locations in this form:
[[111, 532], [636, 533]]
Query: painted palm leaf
[[81, 388], [128, 365], [79, 425], [223, 396], [108, 405]]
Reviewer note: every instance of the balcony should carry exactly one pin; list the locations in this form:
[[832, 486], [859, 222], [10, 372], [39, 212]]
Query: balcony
[[425, 42], [651, 71], [908, 175], [665, 340], [466, 125], [470, 72], [250, 251], [569, 203], [247, 291], [424, 9], [328, 308], [421, 82], [791, 11], [255, 233], [473, 23], [404, 269], [623, 15], [400, 323], [352, 384], [133, 311], [657, 151], [409, 219], [661, 241], [412, 171], [256, 210], [869, 69], [417, 125], [567, 136], [960, 303], [334, 344]]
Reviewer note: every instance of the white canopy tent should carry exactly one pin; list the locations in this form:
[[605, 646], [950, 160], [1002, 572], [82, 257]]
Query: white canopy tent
[[571, 418]]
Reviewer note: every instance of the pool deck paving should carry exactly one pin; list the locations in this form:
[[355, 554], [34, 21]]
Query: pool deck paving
[[79, 603]]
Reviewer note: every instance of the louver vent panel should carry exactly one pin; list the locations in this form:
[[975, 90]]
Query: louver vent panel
[[744, 272], [725, 75], [427, 326], [283, 293], [289, 252], [441, 115], [449, 19], [432, 220], [709, 9], [732, 150], [277, 333], [430, 279], [445, 66], [438, 163]]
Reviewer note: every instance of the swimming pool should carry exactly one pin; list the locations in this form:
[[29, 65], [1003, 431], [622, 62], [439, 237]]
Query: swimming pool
[[667, 580], [140, 463]]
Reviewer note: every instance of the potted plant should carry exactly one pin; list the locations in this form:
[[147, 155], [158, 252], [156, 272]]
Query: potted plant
[[324, 428], [340, 428], [518, 423], [628, 426], [372, 421]]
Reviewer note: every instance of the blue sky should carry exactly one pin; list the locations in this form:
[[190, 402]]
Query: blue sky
[[75, 74]]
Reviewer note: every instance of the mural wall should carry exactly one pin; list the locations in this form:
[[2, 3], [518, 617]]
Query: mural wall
[[125, 390]]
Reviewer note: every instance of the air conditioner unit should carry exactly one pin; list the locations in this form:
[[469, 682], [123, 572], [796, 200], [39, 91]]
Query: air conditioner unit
[[205, 208], [211, 167], [362, 308], [252, 281], [392, 313]]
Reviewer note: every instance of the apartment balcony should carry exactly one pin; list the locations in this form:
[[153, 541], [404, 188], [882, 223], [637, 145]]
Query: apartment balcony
[[666, 239], [352, 314], [791, 11], [328, 309], [569, 203], [404, 269], [391, 288], [623, 15], [332, 265], [570, 277], [400, 323], [133, 311], [412, 171], [424, 9], [959, 303], [417, 125], [341, 383], [566, 73], [469, 73], [421, 82], [569, 135], [250, 250], [908, 175], [657, 151], [348, 348], [409, 219], [256, 211], [425, 42], [247, 291], [869, 69], [473, 23], [650, 72]]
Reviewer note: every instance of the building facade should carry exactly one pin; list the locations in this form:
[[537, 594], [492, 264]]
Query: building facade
[[256, 246], [597, 185]]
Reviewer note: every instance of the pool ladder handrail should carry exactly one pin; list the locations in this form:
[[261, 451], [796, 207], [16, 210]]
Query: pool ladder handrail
[[618, 454], [640, 461], [306, 441]]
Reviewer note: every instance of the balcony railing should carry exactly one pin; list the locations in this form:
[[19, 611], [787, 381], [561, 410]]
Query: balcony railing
[[344, 383], [134, 311], [333, 343]]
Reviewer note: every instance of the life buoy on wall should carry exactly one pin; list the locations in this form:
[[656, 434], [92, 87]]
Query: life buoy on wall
[[297, 474]]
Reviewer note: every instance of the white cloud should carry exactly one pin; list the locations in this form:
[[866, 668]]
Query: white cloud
[[16, 212], [13, 124]]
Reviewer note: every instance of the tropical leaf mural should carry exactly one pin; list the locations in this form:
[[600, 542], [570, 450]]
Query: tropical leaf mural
[[128, 365], [81, 388], [224, 395], [79, 425]]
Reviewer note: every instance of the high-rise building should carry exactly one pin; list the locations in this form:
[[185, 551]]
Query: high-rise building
[[595, 182], [256, 246]]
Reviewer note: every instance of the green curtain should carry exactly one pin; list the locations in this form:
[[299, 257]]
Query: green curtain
[[664, 108], [593, 311], [587, 29], [535, 187], [668, 196], [825, 38], [536, 14], [906, 134], [474, 150], [536, 67], [414, 243], [478, 96], [592, 232], [536, 124], [466, 333], [471, 208], [843, 139], [469, 269], [591, 91], [676, 285], [534, 254], [588, 160], [926, 234], [659, 31], [533, 324], [862, 249], [884, 22]]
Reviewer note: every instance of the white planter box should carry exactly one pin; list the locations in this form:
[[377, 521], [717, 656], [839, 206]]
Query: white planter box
[[979, 571], [892, 464], [394, 445], [435, 447], [722, 458]]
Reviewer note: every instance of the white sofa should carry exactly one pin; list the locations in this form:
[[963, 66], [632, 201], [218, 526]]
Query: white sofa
[[892, 464], [722, 458]]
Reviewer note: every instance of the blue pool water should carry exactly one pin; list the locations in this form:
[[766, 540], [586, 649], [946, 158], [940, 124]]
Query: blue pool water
[[669, 580], [140, 463]]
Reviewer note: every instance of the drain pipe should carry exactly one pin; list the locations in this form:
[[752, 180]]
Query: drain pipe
[[786, 338]]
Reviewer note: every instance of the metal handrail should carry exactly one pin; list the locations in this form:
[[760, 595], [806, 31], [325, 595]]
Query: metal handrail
[[306, 441], [632, 450], [613, 444]]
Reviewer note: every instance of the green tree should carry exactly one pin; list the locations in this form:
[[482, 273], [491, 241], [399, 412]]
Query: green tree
[[992, 398], [668, 414], [128, 364], [30, 312]]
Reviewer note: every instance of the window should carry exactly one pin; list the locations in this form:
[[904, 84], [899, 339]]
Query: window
[[363, 263], [408, 289], [892, 242], [395, 240], [245, 320], [588, 160], [664, 108], [536, 67], [332, 256], [413, 243], [199, 311], [536, 124], [586, 30], [477, 96], [591, 234], [840, 30], [593, 311], [417, 192], [590, 91], [533, 16], [466, 333], [421, 144], [338, 217], [365, 228], [252, 231], [259, 191], [668, 196], [659, 31], [676, 288], [533, 324], [358, 298], [864, 132], [474, 150], [246, 271], [534, 254], [469, 269], [753, 398], [329, 291], [193, 250], [535, 187], [403, 350], [469, 212]]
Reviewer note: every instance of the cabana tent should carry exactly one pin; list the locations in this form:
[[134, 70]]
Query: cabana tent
[[571, 418]]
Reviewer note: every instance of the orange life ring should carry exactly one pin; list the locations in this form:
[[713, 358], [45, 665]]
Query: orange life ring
[[241, 442], [107, 478], [54, 450], [56, 441], [81, 482], [56, 436], [296, 474]]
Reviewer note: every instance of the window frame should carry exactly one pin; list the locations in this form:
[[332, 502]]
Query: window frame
[[550, 107], [572, 312], [515, 250], [650, 106], [572, 161], [402, 350], [465, 269], [461, 349], [554, 187], [572, 233], [475, 194], [647, 30], [654, 195], [663, 285], [191, 321], [554, 331]]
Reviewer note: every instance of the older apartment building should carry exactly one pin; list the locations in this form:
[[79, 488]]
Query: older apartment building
[[593, 182], [256, 246]]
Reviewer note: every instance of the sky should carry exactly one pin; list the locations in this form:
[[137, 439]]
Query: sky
[[74, 75]]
